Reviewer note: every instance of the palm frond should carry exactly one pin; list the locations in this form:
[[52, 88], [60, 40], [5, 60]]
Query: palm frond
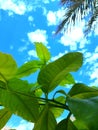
[[77, 9], [93, 21]]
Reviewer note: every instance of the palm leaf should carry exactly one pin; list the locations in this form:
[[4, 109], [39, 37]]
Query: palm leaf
[[78, 9]]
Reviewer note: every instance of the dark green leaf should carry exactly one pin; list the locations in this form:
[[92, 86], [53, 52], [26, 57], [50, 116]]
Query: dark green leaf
[[5, 115], [28, 68], [79, 124], [8, 66], [51, 75], [82, 91], [42, 52], [85, 111], [46, 120], [68, 79], [18, 99], [2, 84], [66, 124]]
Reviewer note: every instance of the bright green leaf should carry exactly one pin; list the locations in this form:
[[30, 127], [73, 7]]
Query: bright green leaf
[[68, 79], [38, 92], [8, 66], [66, 124], [5, 115], [18, 99], [28, 68], [46, 120], [85, 111], [42, 52], [51, 75]]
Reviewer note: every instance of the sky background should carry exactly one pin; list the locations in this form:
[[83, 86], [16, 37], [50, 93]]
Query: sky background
[[22, 22]]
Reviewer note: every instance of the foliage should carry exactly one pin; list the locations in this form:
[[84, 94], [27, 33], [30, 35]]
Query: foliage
[[76, 10], [34, 102]]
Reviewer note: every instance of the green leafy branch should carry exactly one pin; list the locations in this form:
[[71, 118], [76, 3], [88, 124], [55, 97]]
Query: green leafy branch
[[18, 96]]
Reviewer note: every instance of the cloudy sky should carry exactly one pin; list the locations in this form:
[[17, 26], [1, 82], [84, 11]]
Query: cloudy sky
[[23, 22]]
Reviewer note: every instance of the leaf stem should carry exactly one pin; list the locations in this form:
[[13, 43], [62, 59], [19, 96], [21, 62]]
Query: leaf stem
[[55, 105], [54, 101], [51, 101]]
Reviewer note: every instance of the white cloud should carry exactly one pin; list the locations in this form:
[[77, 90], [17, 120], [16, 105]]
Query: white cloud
[[91, 64], [58, 56], [96, 28], [92, 58], [83, 43], [76, 34], [24, 126], [94, 74], [96, 49], [88, 54], [17, 7], [38, 36], [23, 48], [52, 0], [32, 53], [44, 11], [30, 18], [94, 83], [46, 1], [75, 37], [53, 17]]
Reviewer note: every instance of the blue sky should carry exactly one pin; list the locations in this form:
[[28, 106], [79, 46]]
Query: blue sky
[[22, 23]]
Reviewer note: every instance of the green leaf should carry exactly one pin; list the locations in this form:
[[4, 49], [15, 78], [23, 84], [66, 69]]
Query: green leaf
[[53, 73], [42, 52], [46, 120], [17, 98], [28, 68], [79, 124], [38, 92], [36, 89], [2, 84], [8, 66], [68, 79], [58, 111], [85, 111], [82, 91], [5, 115], [66, 124]]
